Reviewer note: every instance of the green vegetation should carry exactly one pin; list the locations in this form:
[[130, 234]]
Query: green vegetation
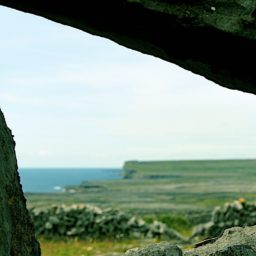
[[73, 247], [178, 187], [87, 222], [236, 214], [180, 194], [178, 222], [189, 169]]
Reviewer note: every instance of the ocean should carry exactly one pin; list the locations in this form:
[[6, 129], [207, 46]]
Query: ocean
[[48, 180]]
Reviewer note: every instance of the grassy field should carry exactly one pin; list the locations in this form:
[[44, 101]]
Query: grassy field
[[179, 193], [89, 248], [189, 169], [165, 187]]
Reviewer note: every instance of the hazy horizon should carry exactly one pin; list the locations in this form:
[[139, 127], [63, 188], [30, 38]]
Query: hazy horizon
[[73, 99], [139, 160]]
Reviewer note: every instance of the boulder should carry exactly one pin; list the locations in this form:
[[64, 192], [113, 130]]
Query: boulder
[[235, 241]]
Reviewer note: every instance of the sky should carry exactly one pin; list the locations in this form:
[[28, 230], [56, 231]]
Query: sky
[[76, 100]]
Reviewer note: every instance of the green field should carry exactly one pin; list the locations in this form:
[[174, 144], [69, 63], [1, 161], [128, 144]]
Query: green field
[[89, 248], [179, 193], [165, 187]]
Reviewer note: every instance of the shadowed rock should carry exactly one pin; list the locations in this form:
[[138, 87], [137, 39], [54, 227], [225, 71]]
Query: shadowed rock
[[16, 231], [216, 38], [235, 250]]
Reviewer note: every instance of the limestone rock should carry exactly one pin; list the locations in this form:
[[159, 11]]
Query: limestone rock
[[161, 249], [235, 241], [236, 214], [235, 250], [16, 231], [216, 38], [87, 221]]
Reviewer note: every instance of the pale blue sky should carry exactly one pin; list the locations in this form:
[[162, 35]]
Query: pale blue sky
[[72, 99]]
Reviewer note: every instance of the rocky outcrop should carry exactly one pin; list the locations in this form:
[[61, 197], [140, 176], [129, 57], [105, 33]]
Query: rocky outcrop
[[161, 249], [91, 222], [234, 242], [16, 231], [214, 38]]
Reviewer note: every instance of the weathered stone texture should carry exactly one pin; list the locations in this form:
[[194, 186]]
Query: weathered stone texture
[[213, 38], [16, 231], [235, 241], [161, 249], [235, 250]]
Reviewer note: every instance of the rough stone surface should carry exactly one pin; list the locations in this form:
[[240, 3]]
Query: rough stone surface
[[235, 250], [16, 231], [161, 249], [213, 38], [235, 214], [235, 241]]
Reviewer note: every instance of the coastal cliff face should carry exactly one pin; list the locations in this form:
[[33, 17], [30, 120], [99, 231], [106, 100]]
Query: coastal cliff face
[[213, 38], [16, 231]]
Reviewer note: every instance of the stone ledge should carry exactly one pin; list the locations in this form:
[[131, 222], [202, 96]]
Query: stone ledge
[[234, 242]]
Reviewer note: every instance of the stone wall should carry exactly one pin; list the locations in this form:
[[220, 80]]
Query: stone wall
[[215, 38]]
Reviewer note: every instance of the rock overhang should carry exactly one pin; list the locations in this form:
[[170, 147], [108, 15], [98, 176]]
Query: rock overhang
[[214, 38]]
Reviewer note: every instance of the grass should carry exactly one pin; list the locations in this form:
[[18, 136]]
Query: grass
[[178, 193], [181, 223], [74, 247], [165, 187]]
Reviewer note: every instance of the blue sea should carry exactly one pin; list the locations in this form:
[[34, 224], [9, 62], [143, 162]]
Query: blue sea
[[48, 180]]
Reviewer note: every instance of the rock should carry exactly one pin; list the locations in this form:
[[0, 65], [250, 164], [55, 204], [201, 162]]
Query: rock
[[235, 241], [235, 250], [236, 214], [87, 221], [161, 249], [211, 38], [16, 230]]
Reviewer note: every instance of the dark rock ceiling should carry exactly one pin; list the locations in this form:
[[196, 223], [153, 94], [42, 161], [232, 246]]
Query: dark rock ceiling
[[215, 39]]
